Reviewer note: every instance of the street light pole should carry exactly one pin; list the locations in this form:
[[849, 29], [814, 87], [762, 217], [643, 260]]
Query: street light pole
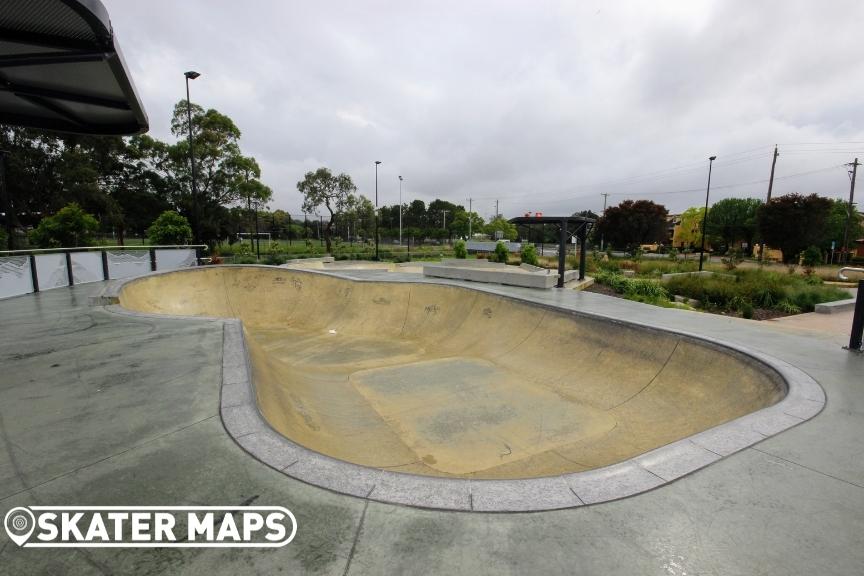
[[192, 75], [705, 214], [377, 162], [400, 210]]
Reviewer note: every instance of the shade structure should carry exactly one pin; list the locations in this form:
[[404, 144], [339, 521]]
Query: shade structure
[[61, 69]]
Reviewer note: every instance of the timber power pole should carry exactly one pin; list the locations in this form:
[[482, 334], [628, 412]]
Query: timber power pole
[[850, 212], [470, 200], [771, 178], [770, 188]]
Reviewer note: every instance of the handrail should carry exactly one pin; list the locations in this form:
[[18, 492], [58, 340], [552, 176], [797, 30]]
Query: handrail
[[88, 248], [842, 277]]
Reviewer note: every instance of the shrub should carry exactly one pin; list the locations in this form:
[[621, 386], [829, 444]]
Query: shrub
[[501, 253], [810, 258], [169, 228], [732, 259], [460, 250], [275, 259], [747, 311], [69, 227], [529, 254]]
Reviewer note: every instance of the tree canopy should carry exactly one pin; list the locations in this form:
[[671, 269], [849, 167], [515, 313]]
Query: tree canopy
[[334, 193], [70, 226], [793, 222], [633, 222], [732, 220]]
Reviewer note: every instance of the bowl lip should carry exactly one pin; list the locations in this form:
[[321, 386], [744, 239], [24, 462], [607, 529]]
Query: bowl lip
[[242, 418]]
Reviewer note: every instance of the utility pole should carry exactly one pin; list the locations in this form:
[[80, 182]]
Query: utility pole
[[470, 200], [850, 211], [444, 212], [770, 188], [771, 179], [496, 209], [603, 236]]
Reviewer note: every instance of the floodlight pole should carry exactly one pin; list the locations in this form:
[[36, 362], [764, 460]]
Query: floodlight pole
[[192, 75], [377, 162], [400, 210], [705, 214]]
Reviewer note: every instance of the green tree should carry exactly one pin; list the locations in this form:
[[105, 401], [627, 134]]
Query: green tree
[[689, 231], [500, 223], [461, 227], [632, 223], [501, 252], [732, 220], [333, 192], [69, 227], [169, 228], [836, 225], [793, 222]]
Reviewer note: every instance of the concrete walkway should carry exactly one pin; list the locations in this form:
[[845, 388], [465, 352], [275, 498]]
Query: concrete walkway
[[102, 409]]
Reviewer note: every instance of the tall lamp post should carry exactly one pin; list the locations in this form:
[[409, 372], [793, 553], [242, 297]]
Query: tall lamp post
[[192, 75], [377, 162], [705, 214], [400, 210]]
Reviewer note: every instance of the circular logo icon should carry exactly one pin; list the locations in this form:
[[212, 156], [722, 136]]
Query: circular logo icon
[[19, 524]]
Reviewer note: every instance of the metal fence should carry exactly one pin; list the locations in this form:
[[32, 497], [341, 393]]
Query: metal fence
[[26, 271]]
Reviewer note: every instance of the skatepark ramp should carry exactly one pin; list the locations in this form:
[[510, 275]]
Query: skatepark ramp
[[448, 381]]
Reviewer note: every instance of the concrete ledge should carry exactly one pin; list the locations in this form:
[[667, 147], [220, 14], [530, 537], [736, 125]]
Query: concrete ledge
[[835, 307], [244, 422], [498, 273]]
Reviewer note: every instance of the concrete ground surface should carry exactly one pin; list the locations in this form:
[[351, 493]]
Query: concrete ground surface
[[102, 409]]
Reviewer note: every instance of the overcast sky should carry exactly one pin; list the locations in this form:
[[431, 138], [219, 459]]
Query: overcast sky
[[541, 105]]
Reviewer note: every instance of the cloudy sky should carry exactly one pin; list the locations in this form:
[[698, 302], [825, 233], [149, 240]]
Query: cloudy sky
[[540, 105]]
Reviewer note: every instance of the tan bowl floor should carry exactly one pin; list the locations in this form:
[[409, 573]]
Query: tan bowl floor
[[446, 381]]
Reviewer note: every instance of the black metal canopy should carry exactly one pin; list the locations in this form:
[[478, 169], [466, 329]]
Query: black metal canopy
[[580, 226], [61, 69]]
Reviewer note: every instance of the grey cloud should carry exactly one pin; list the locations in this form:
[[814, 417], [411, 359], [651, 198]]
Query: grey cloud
[[534, 103]]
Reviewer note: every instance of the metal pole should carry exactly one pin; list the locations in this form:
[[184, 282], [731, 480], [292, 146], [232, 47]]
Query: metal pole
[[257, 235], [562, 249], [195, 215], [858, 320], [603, 235], [849, 213], [582, 238], [400, 210], [377, 162], [705, 214], [7, 203]]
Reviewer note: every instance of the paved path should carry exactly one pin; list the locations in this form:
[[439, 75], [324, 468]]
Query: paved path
[[101, 409]]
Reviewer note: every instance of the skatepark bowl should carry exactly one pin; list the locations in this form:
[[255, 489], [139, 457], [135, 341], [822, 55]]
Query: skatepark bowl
[[446, 381]]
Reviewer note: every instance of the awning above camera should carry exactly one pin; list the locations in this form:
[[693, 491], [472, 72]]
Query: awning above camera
[[61, 69]]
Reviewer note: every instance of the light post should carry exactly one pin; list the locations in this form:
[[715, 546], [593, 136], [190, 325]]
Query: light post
[[400, 210], [192, 75], [377, 162], [705, 214]]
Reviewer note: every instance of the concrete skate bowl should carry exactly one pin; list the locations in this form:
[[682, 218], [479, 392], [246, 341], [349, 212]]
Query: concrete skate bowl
[[446, 381]]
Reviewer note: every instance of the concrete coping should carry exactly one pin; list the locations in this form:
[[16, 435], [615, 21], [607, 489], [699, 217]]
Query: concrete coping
[[836, 307], [244, 422]]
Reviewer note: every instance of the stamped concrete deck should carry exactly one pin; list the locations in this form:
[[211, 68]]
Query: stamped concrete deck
[[98, 408]]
